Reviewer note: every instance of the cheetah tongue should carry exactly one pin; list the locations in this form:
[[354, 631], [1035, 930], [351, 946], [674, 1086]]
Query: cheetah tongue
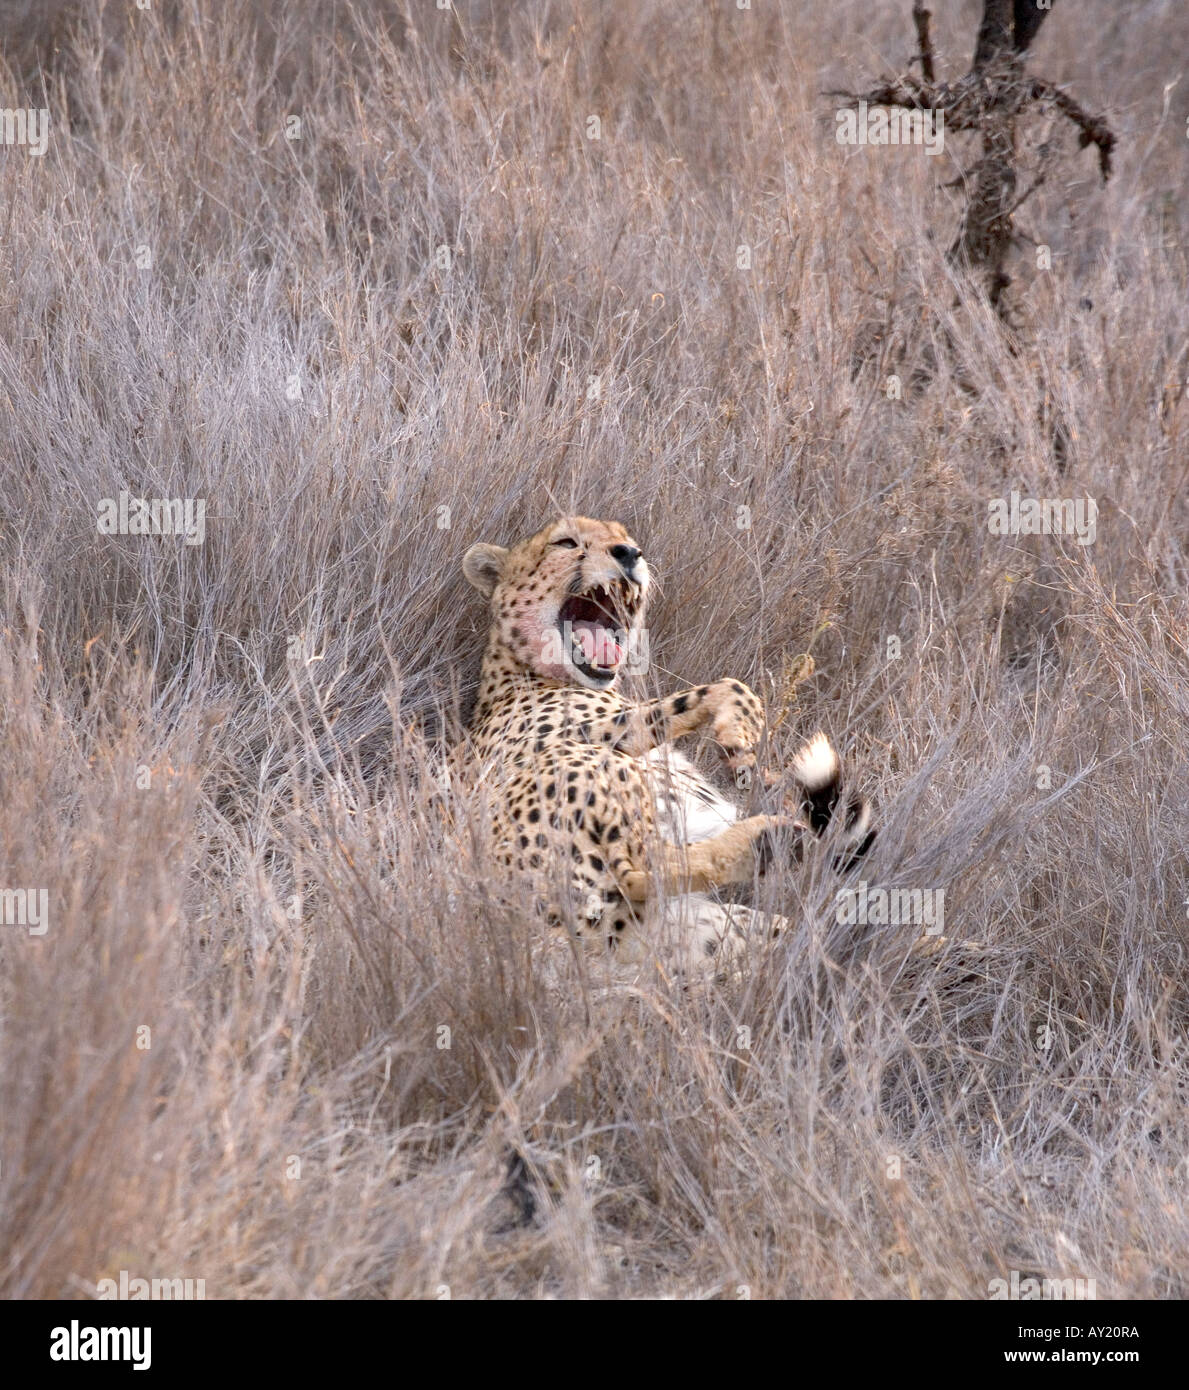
[[599, 646]]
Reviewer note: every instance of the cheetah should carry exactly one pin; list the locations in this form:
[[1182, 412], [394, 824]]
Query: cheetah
[[590, 799]]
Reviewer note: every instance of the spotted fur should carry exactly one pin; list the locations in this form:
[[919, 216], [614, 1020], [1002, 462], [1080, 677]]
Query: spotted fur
[[586, 781]]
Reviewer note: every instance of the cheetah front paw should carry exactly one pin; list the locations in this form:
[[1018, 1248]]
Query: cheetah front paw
[[736, 722]]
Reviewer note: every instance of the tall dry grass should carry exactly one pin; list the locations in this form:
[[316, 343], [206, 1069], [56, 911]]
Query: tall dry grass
[[218, 759]]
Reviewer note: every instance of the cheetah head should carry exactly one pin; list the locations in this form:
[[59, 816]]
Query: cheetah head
[[566, 604]]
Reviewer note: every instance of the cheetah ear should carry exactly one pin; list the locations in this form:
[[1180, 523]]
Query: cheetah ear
[[483, 565]]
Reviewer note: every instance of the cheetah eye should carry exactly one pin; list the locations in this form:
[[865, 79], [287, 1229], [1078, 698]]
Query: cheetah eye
[[568, 541]]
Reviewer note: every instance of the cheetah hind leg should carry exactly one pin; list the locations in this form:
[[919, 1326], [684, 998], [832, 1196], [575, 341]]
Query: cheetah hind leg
[[697, 935]]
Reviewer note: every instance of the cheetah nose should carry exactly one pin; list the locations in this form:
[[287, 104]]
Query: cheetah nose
[[625, 556]]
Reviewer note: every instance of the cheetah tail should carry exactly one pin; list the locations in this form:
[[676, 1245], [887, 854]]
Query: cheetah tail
[[818, 769]]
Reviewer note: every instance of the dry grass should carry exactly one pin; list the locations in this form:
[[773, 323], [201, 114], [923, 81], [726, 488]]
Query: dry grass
[[286, 682]]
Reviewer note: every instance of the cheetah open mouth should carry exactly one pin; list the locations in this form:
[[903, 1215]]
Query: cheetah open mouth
[[594, 628]]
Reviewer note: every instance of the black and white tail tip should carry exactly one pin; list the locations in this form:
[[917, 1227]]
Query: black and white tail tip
[[817, 768]]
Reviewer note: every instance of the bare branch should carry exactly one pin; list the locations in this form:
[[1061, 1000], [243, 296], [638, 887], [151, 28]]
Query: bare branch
[[1094, 130], [921, 17], [1028, 18], [994, 34]]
